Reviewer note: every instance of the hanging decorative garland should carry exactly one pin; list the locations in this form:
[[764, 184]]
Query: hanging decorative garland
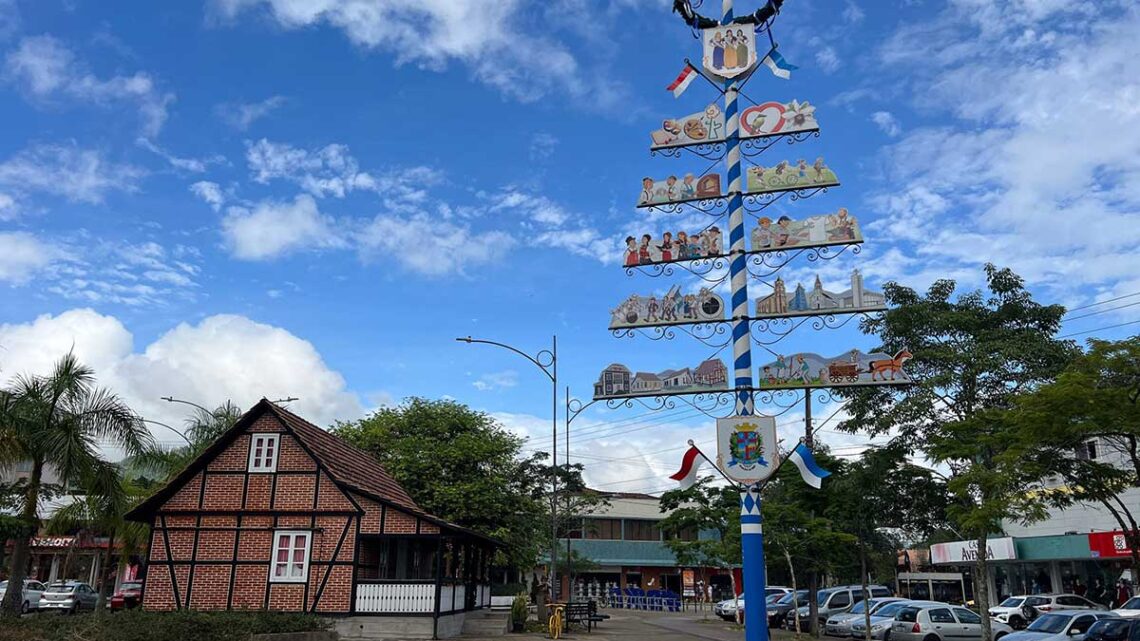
[[697, 21]]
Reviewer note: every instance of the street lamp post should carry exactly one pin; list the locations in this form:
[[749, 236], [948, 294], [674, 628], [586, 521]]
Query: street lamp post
[[153, 422], [547, 361]]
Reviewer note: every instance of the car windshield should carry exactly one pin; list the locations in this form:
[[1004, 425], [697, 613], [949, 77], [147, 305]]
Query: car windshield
[[1052, 623], [821, 598], [1036, 600], [789, 597], [61, 587], [1011, 602], [1130, 604], [890, 609], [858, 607]]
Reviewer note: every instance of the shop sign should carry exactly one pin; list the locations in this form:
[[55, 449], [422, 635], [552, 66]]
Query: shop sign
[[688, 583], [53, 541], [1108, 544], [960, 552]]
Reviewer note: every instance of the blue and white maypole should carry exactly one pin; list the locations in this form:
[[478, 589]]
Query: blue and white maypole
[[751, 529]]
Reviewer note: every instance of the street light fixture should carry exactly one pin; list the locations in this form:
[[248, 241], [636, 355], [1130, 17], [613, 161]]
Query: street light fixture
[[547, 361], [179, 433]]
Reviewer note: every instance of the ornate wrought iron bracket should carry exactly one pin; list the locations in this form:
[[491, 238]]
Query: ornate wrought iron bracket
[[753, 147], [711, 270], [707, 206], [713, 151]]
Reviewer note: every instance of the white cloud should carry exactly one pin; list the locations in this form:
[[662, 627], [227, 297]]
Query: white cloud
[[1026, 186], [210, 192], [22, 255], [430, 246], [241, 115], [131, 274], [333, 171], [852, 13], [542, 146], [45, 68], [496, 380], [222, 357], [8, 208], [887, 122], [273, 229], [193, 165], [827, 59], [79, 175], [492, 37]]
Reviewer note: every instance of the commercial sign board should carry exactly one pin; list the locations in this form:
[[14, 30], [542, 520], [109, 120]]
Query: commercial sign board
[[960, 552], [1109, 544]]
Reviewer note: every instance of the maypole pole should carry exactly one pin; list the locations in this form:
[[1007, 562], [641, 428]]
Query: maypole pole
[[751, 529]]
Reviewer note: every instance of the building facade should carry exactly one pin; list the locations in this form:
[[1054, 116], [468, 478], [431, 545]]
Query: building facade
[[280, 515], [625, 547]]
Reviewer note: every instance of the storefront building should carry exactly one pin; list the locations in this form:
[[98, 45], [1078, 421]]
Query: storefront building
[[626, 548]]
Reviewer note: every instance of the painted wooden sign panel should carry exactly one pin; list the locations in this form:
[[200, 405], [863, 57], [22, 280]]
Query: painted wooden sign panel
[[787, 176], [671, 309], [807, 370], [617, 381], [678, 190], [671, 248], [702, 127], [777, 118], [729, 51], [839, 228], [746, 447], [802, 301]]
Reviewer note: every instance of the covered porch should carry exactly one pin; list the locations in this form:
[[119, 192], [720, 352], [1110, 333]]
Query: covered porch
[[422, 575]]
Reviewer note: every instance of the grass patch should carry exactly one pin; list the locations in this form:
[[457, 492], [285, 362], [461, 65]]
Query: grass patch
[[137, 625]]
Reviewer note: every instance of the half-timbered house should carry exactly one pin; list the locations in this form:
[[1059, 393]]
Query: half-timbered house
[[278, 514]]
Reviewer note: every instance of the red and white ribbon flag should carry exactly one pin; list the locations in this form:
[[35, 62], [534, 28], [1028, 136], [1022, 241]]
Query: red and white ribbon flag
[[684, 79], [690, 465]]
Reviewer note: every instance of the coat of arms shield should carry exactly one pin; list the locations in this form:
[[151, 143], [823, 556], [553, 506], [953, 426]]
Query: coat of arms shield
[[729, 51], [746, 447]]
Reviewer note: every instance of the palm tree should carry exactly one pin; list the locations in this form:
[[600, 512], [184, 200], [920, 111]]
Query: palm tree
[[60, 421], [109, 497], [202, 429]]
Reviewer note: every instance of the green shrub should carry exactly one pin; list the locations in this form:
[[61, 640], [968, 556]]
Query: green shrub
[[136, 625], [519, 611]]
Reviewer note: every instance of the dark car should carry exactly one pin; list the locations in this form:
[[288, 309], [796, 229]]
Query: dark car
[[777, 610], [1114, 630], [128, 596]]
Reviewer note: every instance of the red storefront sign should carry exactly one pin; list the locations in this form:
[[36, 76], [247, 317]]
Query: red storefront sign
[[1108, 544]]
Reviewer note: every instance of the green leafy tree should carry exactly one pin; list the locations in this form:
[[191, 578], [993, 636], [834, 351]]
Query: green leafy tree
[[882, 499], [58, 420], [157, 465], [1094, 398], [464, 466], [704, 507], [973, 355]]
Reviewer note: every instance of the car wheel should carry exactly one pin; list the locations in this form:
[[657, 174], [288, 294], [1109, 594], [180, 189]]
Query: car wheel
[[25, 608], [1017, 623], [931, 637], [999, 636], [886, 635]]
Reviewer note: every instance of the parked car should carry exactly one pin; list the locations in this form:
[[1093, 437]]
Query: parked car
[[832, 601], [1011, 610], [1066, 625], [68, 597], [727, 609], [839, 625], [1129, 609], [1113, 629], [882, 620], [33, 592], [942, 623], [128, 596], [789, 601]]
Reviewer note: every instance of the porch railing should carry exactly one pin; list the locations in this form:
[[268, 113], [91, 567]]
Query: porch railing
[[417, 598]]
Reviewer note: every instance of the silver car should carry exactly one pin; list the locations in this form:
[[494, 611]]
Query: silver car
[[1067, 625], [882, 619], [942, 623], [68, 597], [839, 625]]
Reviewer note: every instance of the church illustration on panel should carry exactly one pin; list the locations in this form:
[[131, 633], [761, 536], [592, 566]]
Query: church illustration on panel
[[803, 302]]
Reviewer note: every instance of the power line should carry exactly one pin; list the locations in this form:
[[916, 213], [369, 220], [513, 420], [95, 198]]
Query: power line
[[1098, 303], [1102, 311], [1099, 329]]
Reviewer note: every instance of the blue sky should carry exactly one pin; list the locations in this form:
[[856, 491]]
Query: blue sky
[[236, 198]]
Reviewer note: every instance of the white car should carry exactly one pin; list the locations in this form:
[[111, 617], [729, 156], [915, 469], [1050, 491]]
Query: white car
[[1009, 611], [1130, 609], [33, 592], [839, 625]]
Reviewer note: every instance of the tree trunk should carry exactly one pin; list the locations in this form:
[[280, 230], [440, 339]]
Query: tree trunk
[[18, 570], [813, 607], [101, 581], [866, 592], [982, 588], [795, 601]]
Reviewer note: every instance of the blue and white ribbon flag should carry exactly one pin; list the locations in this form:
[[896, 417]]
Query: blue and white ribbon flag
[[780, 68], [812, 473]]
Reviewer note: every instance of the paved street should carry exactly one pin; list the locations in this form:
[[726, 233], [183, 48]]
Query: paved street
[[658, 626]]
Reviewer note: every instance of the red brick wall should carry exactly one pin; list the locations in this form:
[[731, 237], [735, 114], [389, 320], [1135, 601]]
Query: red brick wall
[[237, 514]]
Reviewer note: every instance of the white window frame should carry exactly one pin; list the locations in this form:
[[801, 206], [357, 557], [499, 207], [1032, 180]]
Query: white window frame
[[275, 439], [273, 562]]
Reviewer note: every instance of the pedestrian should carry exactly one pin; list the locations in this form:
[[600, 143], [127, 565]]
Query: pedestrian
[[1123, 592]]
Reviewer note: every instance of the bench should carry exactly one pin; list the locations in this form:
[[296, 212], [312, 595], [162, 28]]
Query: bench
[[584, 613]]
